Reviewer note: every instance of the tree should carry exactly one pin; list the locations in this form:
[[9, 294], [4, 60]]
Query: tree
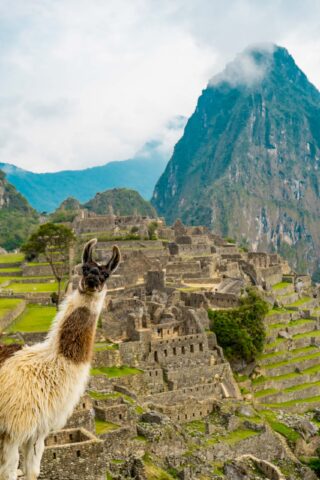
[[54, 242], [240, 331]]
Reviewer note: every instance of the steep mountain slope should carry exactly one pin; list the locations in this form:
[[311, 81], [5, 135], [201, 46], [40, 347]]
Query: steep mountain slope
[[248, 162], [45, 191], [17, 218], [123, 202]]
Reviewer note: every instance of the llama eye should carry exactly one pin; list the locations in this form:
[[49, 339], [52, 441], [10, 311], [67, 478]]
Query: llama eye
[[106, 275], [85, 270]]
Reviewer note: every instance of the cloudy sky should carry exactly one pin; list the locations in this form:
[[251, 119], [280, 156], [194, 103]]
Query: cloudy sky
[[84, 82]]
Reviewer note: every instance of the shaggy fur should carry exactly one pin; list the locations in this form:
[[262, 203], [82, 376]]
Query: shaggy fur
[[6, 351], [41, 384]]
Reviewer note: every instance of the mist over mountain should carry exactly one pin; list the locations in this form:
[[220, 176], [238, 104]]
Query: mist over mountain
[[248, 162]]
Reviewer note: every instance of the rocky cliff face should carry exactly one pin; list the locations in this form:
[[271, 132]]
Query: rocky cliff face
[[17, 218], [248, 162]]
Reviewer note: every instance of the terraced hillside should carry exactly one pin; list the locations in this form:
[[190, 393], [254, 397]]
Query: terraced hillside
[[290, 365]]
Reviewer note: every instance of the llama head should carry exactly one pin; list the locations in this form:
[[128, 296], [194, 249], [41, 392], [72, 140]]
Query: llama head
[[95, 275]]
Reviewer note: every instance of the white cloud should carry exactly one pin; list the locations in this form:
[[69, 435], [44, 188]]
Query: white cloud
[[85, 82]]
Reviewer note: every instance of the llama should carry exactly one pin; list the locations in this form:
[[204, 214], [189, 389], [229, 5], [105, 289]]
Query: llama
[[40, 385]]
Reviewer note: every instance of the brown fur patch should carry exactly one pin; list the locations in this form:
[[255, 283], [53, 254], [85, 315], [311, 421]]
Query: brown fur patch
[[77, 336], [6, 351]]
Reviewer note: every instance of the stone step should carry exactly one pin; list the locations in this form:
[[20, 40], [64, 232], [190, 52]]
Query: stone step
[[306, 391], [299, 341], [290, 380], [302, 363], [286, 354], [285, 290], [294, 327], [281, 317], [288, 298]]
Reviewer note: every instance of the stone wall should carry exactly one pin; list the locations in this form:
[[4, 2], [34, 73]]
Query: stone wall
[[7, 319], [73, 454]]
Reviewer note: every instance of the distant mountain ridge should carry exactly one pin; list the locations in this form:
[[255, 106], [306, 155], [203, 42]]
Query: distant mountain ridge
[[45, 191], [17, 217], [248, 163]]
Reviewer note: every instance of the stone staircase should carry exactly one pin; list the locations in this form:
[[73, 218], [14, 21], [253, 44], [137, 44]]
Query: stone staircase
[[290, 364]]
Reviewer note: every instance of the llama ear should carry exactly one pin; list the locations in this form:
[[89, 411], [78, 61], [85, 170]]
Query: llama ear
[[88, 250], [114, 261]]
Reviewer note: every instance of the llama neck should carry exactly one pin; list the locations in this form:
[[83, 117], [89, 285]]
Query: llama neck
[[72, 334]]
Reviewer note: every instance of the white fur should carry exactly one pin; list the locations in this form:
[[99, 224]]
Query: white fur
[[39, 390]]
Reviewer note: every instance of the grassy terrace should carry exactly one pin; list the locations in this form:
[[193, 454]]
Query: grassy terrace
[[233, 437], [290, 434], [281, 285], [32, 287], [294, 352], [35, 318], [12, 258], [300, 302], [7, 304], [104, 427], [101, 347], [112, 372], [106, 396], [308, 371], [276, 311], [293, 403], [293, 360]]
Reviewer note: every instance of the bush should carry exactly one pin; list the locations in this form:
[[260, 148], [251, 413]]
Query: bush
[[240, 331]]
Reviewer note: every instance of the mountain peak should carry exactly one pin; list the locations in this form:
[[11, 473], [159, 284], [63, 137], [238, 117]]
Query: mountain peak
[[257, 63]]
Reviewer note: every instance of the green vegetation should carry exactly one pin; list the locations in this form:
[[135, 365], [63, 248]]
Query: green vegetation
[[100, 347], [12, 258], [106, 396], [276, 311], [8, 304], [300, 302], [122, 201], [49, 239], [32, 287], [289, 433], [17, 217], [153, 472], [240, 331], [263, 393], [35, 318], [281, 285], [233, 437], [292, 360], [104, 427], [112, 372]]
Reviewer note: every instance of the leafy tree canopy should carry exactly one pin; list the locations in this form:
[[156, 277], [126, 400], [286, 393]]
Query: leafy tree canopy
[[240, 331]]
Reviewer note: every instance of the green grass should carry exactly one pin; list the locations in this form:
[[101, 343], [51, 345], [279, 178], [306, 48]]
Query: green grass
[[8, 304], [300, 302], [112, 372], [35, 318], [196, 426], [267, 391], [12, 258], [280, 285], [110, 395], [104, 427], [276, 311], [101, 347], [153, 472], [313, 333], [292, 360], [10, 270], [279, 427], [302, 386], [233, 437], [292, 403], [33, 287], [8, 340], [307, 371]]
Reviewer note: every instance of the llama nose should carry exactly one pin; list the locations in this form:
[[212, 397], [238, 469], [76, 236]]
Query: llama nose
[[92, 282]]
